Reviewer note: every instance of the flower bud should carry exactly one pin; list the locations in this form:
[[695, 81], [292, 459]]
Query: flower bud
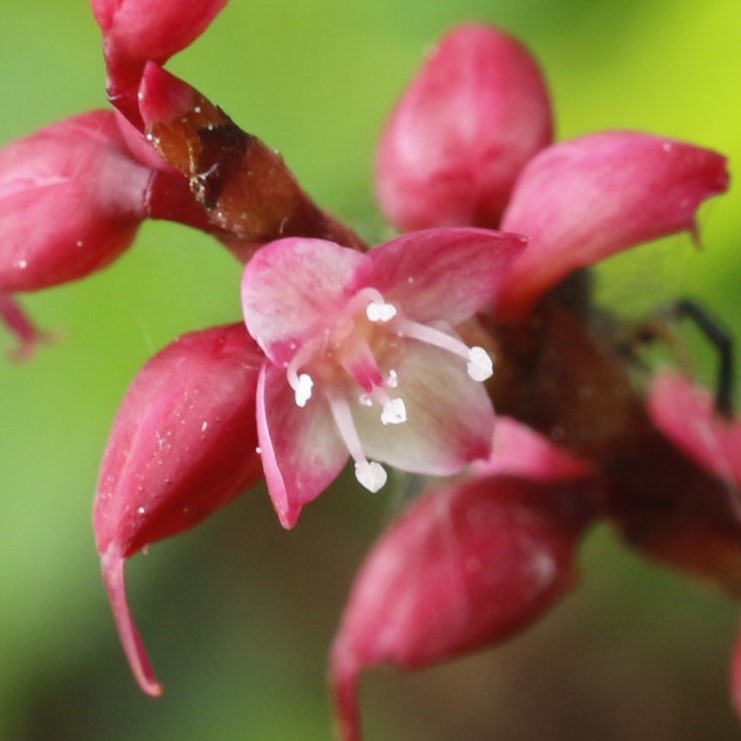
[[183, 444], [477, 111], [468, 566], [71, 199], [137, 31]]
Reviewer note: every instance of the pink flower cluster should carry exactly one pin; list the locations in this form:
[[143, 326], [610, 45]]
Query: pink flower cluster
[[396, 356]]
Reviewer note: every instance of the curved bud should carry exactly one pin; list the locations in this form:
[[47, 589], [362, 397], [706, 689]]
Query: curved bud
[[137, 31], [477, 111], [183, 444], [583, 200], [71, 199], [471, 564]]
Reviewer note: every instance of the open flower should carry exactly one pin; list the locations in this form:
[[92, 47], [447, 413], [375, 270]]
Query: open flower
[[363, 359]]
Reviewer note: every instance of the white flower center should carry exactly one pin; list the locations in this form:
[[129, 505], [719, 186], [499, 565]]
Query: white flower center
[[352, 351]]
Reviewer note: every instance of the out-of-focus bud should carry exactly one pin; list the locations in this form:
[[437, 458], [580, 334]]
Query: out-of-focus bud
[[469, 565], [475, 114], [136, 31], [26, 332], [685, 413], [183, 444], [675, 493], [71, 199], [244, 186], [581, 201]]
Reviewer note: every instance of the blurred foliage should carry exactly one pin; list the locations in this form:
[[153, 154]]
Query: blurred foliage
[[239, 614]]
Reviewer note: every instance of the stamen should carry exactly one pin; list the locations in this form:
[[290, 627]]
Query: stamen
[[479, 364], [380, 312], [369, 473], [394, 412], [302, 389]]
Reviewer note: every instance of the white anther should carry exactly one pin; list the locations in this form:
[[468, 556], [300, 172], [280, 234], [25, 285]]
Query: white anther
[[370, 474], [479, 365], [365, 400], [380, 312], [393, 380], [394, 412], [302, 389]]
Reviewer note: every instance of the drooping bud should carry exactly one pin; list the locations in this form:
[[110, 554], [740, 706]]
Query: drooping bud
[[137, 31], [469, 565], [477, 111], [581, 201], [71, 199], [244, 186], [183, 444]]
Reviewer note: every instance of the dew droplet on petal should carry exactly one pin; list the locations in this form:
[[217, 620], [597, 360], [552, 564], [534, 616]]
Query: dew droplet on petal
[[370, 474], [479, 365]]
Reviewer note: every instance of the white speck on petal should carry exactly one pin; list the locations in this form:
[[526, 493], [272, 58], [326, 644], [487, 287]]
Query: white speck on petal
[[141, 511], [393, 380], [378, 312], [258, 450], [204, 426], [365, 400], [394, 412], [479, 365], [370, 474]]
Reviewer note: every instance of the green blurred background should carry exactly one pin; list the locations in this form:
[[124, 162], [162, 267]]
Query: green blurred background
[[238, 614]]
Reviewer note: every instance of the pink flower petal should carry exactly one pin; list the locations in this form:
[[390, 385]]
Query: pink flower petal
[[302, 453], [468, 566], [447, 274], [71, 200], [520, 451], [686, 415], [476, 112], [293, 288], [581, 201], [450, 420]]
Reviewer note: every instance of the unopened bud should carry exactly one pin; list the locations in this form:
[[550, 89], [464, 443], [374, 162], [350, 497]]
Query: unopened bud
[[183, 445], [476, 112]]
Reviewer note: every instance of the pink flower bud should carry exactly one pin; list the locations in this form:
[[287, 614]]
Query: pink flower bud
[[143, 30], [138, 31], [469, 565], [475, 114], [183, 444], [71, 199]]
